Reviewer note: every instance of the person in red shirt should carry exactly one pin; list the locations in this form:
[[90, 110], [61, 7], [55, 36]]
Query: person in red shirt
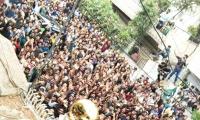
[[17, 47], [128, 96], [1, 2], [106, 46]]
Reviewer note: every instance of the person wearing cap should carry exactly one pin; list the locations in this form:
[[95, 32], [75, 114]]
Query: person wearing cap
[[177, 70]]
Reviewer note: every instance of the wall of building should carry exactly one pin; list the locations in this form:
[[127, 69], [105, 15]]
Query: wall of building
[[194, 80], [194, 63], [11, 71], [179, 36]]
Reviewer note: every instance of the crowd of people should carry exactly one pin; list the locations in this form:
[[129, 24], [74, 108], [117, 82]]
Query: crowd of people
[[82, 65]]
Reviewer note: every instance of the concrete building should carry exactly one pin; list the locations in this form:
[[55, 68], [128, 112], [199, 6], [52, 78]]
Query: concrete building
[[11, 71], [127, 9], [194, 69], [178, 38]]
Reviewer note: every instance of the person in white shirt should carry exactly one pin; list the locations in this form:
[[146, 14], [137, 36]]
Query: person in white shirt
[[164, 18]]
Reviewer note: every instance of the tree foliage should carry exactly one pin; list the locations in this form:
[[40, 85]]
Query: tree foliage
[[163, 5], [195, 33], [186, 4], [141, 21], [102, 13], [195, 115]]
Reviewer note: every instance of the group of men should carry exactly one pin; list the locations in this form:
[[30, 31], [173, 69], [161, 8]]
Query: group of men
[[83, 65], [164, 68]]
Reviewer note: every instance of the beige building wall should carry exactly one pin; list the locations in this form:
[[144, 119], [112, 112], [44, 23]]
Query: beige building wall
[[12, 76]]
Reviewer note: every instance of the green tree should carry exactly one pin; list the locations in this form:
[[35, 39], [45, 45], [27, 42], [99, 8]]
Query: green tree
[[102, 13], [141, 22], [195, 33], [193, 30], [186, 4], [163, 5], [195, 115]]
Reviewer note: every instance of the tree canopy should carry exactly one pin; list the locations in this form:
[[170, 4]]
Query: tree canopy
[[101, 12], [186, 4], [195, 33], [195, 115]]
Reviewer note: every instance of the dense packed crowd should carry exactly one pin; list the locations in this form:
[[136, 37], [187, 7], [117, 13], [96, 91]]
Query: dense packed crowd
[[83, 65]]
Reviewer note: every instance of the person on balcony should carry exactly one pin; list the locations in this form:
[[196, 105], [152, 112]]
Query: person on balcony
[[165, 53], [164, 18], [135, 53]]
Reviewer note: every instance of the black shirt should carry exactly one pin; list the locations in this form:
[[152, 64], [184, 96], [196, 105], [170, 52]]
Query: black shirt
[[181, 63]]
